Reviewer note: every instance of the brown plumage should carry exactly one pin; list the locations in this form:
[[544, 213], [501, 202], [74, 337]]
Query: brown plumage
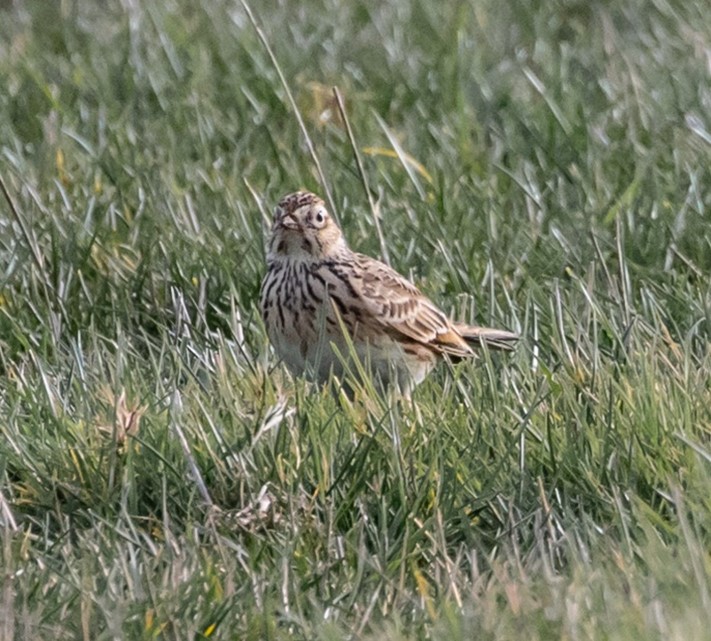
[[318, 297]]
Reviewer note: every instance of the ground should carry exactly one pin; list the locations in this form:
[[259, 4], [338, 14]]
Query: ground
[[543, 167]]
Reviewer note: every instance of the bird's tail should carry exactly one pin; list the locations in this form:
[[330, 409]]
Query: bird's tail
[[492, 338]]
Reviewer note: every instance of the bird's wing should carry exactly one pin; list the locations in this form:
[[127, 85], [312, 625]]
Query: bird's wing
[[396, 303]]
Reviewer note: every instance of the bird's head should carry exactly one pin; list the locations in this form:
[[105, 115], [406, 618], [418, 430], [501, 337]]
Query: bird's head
[[303, 230]]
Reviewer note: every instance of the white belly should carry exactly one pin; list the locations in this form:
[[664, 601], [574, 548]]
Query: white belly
[[319, 357]]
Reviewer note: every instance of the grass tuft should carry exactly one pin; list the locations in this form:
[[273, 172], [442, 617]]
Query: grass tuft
[[537, 166]]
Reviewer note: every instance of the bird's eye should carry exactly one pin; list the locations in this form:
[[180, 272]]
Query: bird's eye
[[319, 217]]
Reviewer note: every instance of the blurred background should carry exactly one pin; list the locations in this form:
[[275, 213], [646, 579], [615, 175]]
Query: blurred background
[[541, 166]]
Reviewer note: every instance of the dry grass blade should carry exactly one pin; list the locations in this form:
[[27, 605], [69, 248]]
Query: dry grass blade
[[294, 107], [374, 209]]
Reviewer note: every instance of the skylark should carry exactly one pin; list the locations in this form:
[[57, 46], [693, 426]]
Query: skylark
[[321, 302]]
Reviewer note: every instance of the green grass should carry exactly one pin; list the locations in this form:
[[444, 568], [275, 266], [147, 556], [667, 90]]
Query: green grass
[[563, 190]]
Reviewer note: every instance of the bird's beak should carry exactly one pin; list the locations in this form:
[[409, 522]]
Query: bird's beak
[[289, 222]]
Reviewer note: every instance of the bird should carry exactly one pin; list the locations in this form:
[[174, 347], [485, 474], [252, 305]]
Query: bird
[[322, 304]]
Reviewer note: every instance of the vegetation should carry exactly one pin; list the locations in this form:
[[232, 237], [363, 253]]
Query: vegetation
[[542, 166]]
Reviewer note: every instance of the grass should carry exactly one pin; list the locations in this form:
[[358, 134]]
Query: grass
[[540, 166]]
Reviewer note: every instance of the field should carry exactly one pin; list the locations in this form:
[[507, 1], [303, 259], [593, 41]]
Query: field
[[539, 166]]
